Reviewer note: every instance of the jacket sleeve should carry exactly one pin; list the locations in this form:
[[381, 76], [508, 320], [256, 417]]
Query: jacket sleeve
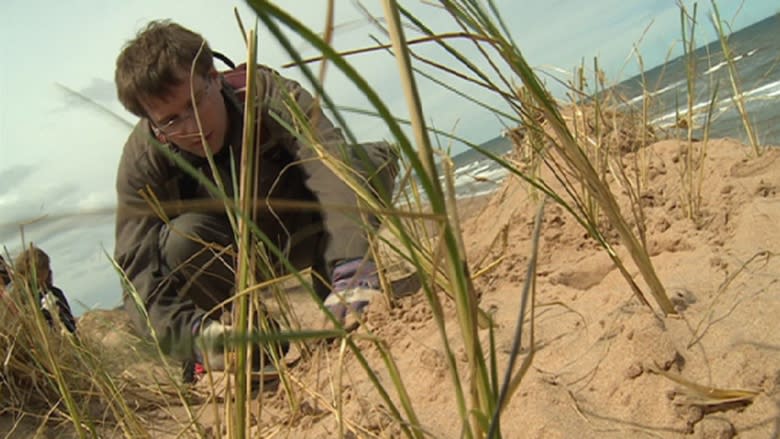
[[346, 233], [137, 247]]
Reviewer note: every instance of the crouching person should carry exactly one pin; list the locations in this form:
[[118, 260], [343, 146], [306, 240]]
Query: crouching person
[[182, 267], [33, 267]]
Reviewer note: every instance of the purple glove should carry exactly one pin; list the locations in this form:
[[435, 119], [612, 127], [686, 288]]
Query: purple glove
[[355, 282]]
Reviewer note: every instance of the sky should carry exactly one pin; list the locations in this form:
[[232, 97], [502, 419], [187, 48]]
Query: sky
[[58, 155]]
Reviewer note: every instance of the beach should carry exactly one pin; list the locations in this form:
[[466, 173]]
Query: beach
[[571, 326], [604, 364]]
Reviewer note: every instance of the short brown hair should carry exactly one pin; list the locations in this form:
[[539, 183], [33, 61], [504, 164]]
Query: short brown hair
[[153, 62], [32, 259]]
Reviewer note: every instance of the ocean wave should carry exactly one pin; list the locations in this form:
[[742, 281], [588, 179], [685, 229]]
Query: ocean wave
[[472, 168], [682, 82], [653, 94], [722, 64], [764, 91], [489, 173], [669, 119], [767, 90]]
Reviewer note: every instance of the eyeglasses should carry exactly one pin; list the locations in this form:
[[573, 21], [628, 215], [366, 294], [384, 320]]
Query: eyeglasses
[[178, 124]]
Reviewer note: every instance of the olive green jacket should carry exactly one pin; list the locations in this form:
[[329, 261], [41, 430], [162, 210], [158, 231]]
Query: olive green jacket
[[290, 169]]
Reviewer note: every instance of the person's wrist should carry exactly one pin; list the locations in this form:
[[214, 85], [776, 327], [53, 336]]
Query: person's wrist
[[354, 273]]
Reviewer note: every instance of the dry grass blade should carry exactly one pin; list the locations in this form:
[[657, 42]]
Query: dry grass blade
[[708, 319], [512, 380], [246, 245], [737, 96], [457, 267], [105, 392], [699, 394], [271, 16], [567, 156]]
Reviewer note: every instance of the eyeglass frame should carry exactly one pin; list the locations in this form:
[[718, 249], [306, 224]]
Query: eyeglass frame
[[182, 119]]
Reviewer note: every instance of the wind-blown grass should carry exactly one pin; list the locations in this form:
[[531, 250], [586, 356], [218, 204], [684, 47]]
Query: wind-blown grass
[[578, 158], [737, 97], [482, 398], [68, 375]]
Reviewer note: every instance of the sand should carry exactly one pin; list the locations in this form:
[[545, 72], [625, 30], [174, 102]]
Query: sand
[[604, 364]]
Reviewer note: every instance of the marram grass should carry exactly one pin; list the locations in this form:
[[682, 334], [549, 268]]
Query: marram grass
[[548, 140]]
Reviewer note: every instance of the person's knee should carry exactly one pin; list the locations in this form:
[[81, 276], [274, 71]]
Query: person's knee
[[192, 234]]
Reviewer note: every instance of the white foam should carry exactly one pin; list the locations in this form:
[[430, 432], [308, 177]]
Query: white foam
[[679, 83], [767, 90], [495, 175], [654, 93], [475, 166], [667, 88], [669, 119], [716, 67], [722, 64], [773, 88]]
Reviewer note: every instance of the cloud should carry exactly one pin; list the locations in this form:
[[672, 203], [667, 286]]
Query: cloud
[[36, 200], [96, 200], [95, 99], [99, 89], [13, 176]]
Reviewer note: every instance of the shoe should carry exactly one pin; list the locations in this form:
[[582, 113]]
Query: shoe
[[268, 373], [192, 371]]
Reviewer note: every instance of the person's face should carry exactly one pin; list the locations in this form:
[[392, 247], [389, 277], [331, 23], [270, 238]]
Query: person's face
[[173, 116], [45, 277]]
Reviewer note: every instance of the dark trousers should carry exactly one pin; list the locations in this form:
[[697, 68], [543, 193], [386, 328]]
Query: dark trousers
[[199, 247]]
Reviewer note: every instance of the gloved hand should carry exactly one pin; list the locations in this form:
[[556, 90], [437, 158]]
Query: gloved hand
[[355, 283], [210, 344], [211, 341]]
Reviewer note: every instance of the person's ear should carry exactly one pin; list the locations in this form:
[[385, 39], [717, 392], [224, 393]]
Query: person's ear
[[213, 75]]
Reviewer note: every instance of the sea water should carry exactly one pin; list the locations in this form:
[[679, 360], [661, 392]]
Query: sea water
[[755, 52]]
